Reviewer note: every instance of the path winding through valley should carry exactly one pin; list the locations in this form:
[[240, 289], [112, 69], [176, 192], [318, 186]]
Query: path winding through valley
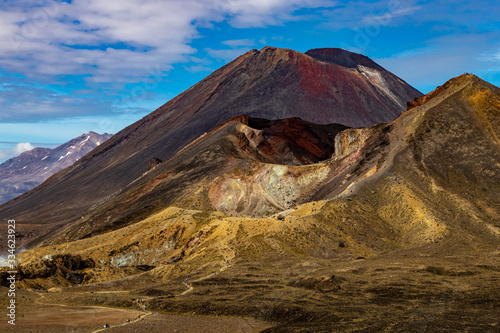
[[190, 286], [144, 314]]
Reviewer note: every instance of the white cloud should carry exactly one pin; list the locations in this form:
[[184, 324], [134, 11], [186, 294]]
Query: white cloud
[[390, 14], [22, 147], [10, 150], [155, 33], [59, 38], [239, 42], [261, 13]]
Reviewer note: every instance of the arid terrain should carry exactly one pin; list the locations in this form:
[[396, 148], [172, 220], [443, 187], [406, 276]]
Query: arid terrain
[[281, 225]]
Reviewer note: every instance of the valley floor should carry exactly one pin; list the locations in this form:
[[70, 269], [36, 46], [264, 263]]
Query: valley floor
[[425, 290]]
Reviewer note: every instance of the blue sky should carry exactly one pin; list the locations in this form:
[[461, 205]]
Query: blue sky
[[68, 67]]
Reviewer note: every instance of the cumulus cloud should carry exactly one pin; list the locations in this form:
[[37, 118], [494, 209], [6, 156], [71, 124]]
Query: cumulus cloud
[[10, 149], [21, 147]]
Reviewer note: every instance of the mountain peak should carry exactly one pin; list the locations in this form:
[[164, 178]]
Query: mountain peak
[[331, 55], [448, 87], [22, 173], [95, 134], [272, 84], [342, 57]]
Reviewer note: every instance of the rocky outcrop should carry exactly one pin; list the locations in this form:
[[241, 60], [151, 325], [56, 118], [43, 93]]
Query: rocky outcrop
[[155, 161], [351, 140], [66, 268]]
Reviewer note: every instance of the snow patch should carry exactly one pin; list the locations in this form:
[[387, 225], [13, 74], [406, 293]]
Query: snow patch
[[45, 157], [68, 153], [86, 139], [24, 167]]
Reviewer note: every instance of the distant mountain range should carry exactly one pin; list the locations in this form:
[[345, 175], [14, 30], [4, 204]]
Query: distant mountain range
[[24, 172]]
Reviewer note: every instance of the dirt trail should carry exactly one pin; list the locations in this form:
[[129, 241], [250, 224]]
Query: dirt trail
[[144, 314], [190, 286], [142, 317]]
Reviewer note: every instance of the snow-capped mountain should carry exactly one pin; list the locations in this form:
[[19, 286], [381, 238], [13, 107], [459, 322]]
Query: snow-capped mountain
[[24, 172]]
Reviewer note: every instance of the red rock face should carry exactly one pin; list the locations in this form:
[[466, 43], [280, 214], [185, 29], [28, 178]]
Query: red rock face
[[342, 58], [271, 84], [353, 84], [305, 143]]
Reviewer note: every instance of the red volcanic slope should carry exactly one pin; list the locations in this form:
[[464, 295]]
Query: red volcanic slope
[[271, 83]]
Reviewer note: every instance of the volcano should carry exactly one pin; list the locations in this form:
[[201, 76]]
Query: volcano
[[321, 86]]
